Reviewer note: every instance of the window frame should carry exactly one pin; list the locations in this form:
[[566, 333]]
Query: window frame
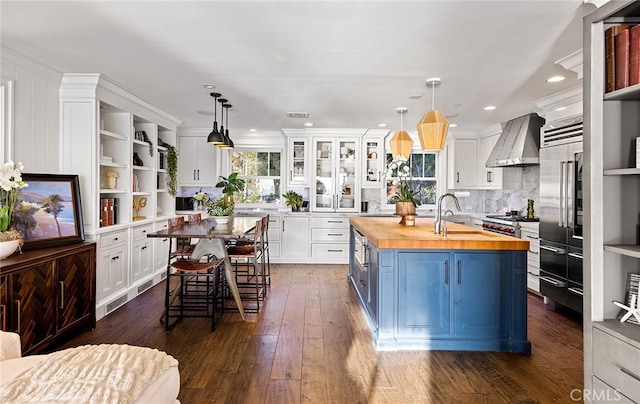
[[439, 180], [281, 177]]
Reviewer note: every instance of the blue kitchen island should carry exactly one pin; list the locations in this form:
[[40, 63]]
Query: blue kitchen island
[[424, 291]]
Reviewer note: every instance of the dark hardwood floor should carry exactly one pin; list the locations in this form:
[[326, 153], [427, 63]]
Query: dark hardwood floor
[[310, 343]]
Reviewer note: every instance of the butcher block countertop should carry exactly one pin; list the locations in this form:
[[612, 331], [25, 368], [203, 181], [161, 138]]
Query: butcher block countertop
[[387, 232]]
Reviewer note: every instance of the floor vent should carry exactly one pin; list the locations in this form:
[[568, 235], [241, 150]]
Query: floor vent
[[116, 303], [145, 286], [163, 276]]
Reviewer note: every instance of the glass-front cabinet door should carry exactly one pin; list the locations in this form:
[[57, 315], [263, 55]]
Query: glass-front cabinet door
[[298, 157], [336, 177], [373, 162]]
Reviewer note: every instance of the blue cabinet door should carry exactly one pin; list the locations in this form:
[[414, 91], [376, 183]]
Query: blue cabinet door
[[423, 294], [480, 288]]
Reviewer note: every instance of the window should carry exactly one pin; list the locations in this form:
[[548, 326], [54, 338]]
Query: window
[[261, 171], [423, 178]]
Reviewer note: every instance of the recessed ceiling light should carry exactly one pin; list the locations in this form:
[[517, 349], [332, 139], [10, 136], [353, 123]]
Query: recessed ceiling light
[[205, 112], [308, 124], [453, 125], [415, 96], [253, 130], [382, 125], [240, 117], [489, 108], [456, 105], [555, 79], [209, 86]]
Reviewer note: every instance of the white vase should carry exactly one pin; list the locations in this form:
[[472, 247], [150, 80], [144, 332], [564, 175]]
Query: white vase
[[8, 247], [222, 220]]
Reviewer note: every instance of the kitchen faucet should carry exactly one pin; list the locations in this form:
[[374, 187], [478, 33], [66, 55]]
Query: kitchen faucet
[[436, 223]]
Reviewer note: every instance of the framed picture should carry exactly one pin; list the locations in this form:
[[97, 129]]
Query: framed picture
[[49, 212]]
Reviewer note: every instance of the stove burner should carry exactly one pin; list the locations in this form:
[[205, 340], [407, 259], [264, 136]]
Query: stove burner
[[513, 218]]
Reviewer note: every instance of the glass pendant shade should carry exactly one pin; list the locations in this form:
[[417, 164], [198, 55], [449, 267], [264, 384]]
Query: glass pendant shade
[[401, 144], [432, 130]]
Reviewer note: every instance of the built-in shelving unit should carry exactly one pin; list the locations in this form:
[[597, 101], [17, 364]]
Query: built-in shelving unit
[[117, 143], [612, 209]]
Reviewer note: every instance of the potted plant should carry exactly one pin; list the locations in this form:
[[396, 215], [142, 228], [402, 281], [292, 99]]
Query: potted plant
[[294, 200], [406, 199], [220, 209], [230, 185], [10, 184], [199, 200]]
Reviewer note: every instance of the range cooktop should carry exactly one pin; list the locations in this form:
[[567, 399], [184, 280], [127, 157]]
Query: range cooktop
[[513, 218]]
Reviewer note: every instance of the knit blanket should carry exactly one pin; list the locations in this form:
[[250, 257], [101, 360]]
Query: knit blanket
[[89, 374]]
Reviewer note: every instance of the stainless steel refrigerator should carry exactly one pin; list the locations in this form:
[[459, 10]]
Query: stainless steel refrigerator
[[560, 210]]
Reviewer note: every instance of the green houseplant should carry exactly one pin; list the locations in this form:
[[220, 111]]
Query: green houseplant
[[293, 199], [230, 185], [172, 169]]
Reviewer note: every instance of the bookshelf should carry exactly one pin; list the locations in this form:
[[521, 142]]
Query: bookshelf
[[612, 122]]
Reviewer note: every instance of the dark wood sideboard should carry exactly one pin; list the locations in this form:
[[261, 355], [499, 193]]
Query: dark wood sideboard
[[49, 294]]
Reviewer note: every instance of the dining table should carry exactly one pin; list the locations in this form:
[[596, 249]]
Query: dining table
[[211, 237]]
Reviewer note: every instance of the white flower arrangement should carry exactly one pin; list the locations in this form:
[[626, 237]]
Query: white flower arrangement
[[10, 184]]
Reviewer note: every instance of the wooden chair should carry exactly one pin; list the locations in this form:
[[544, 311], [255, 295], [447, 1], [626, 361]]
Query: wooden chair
[[249, 265], [198, 291], [184, 248], [265, 250]]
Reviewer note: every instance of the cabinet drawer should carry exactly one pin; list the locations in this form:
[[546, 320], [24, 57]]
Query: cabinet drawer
[[606, 393], [330, 222], [274, 234], [341, 235], [616, 363], [109, 239], [142, 231], [321, 250], [533, 281]]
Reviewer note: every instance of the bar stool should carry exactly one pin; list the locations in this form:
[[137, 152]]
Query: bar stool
[[198, 292], [249, 264], [265, 250], [184, 248]]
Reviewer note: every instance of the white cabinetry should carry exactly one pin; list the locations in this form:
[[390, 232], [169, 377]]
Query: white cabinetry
[[274, 234], [463, 163], [160, 249], [113, 264], [110, 138], [612, 184], [373, 160], [489, 177], [298, 161], [330, 239], [141, 253], [196, 162], [530, 232], [336, 180], [294, 243]]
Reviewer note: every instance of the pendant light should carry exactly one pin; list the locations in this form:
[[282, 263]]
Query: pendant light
[[401, 142], [433, 127], [215, 137], [224, 138], [229, 143]]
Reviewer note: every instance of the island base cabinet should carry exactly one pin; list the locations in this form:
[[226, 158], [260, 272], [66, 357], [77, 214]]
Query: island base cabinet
[[447, 300]]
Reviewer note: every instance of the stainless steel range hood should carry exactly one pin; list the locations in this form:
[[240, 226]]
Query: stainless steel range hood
[[518, 144]]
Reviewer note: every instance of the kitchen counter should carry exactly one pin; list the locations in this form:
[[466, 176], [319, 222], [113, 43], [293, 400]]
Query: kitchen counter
[[387, 232], [466, 291]]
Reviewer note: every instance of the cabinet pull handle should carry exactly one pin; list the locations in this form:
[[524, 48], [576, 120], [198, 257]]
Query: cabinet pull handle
[[459, 272], [283, 222], [532, 238], [144, 247], [115, 239], [629, 373], [19, 314], [576, 291], [534, 252], [446, 272], [334, 221], [3, 307], [198, 174], [334, 234], [488, 176], [458, 177], [575, 255], [194, 175], [62, 294], [553, 250], [334, 250], [117, 257]]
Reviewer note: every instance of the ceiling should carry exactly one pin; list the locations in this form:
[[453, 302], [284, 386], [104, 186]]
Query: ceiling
[[349, 64]]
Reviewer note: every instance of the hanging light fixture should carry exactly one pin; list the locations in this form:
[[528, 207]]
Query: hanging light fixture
[[224, 138], [433, 127], [215, 137], [228, 142], [401, 142]]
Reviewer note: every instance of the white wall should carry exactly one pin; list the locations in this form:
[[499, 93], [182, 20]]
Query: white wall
[[33, 137]]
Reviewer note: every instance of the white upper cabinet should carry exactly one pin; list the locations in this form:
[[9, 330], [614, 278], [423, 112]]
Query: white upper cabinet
[[337, 173], [297, 161], [196, 161], [373, 159], [462, 157]]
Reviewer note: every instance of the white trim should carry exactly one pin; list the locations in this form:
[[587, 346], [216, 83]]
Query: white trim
[[7, 118]]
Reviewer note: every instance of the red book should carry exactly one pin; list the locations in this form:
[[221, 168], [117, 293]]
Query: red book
[[622, 59], [610, 55], [634, 55], [104, 212]]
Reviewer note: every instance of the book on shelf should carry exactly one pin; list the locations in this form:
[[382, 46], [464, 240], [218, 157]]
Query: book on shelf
[[633, 280], [610, 55], [622, 59], [634, 55]]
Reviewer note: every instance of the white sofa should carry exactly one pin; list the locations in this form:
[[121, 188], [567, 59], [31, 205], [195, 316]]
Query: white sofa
[[163, 389]]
